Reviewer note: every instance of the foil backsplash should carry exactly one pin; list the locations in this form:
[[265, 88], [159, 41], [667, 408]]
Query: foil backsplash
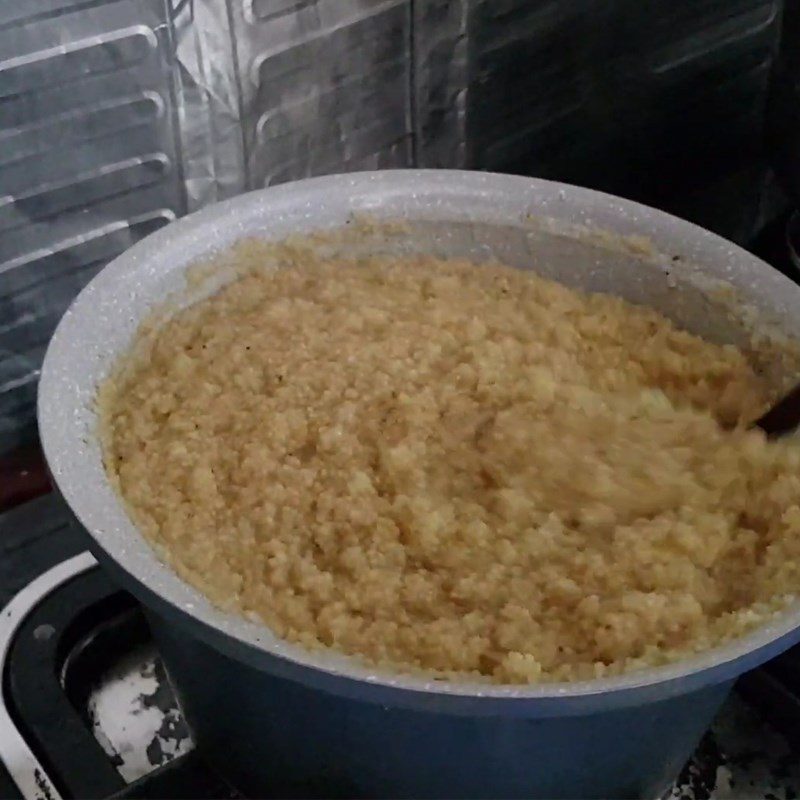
[[117, 116]]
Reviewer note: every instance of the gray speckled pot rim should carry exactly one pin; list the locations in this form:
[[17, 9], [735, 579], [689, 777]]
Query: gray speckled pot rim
[[101, 321]]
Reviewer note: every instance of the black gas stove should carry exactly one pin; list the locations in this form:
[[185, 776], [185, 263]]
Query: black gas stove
[[87, 710]]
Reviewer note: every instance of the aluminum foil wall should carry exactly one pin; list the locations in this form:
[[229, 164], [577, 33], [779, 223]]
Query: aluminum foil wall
[[116, 116]]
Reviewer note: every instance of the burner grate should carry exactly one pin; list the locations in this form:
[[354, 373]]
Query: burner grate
[[85, 688]]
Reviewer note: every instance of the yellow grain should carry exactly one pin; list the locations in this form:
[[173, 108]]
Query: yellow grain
[[469, 471]]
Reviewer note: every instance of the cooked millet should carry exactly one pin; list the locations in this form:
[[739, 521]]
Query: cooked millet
[[465, 470]]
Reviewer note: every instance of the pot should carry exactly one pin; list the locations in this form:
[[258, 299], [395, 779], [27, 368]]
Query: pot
[[278, 719]]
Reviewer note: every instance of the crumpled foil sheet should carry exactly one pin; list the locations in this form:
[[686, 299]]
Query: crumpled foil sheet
[[116, 116], [207, 105], [441, 82]]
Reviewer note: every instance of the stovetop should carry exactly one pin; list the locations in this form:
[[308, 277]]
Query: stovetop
[[89, 712]]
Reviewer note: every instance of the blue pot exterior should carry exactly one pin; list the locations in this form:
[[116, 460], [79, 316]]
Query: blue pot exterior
[[274, 736]]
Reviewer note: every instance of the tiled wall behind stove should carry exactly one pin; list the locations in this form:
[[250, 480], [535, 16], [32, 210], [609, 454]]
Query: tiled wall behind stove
[[118, 115]]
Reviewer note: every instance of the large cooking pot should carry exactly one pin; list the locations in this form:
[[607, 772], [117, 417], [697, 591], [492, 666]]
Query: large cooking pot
[[278, 719]]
